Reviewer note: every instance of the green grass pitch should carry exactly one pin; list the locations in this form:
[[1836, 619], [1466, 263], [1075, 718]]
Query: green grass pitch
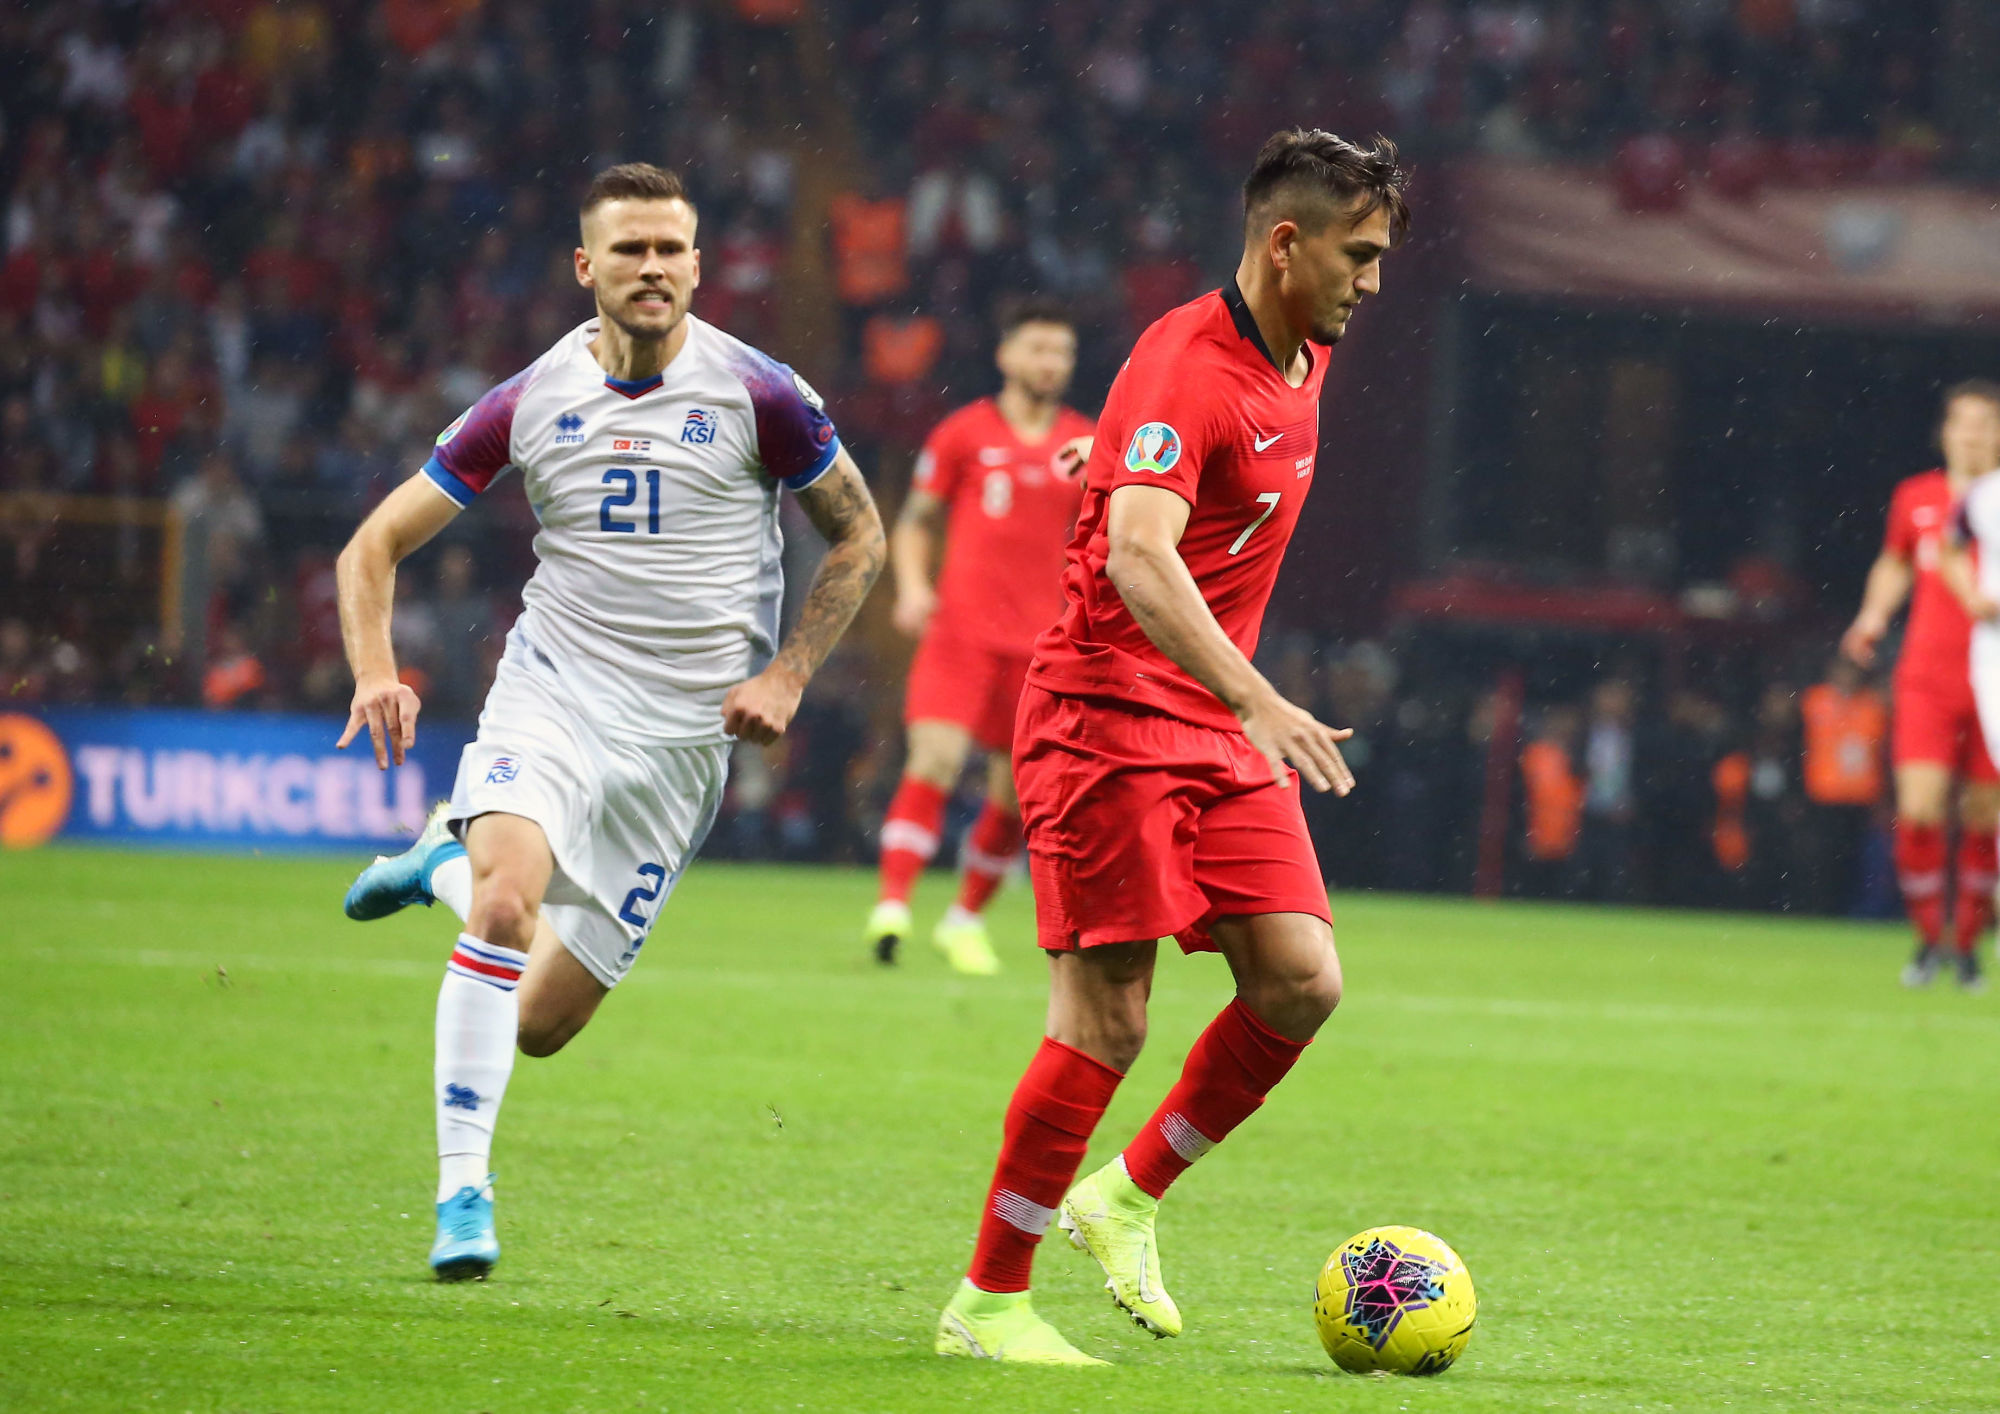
[[1695, 1162]]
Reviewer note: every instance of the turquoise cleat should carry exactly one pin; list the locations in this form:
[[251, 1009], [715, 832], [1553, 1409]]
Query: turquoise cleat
[[394, 882], [467, 1247]]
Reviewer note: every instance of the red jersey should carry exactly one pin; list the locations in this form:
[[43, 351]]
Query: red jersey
[[1937, 640], [1010, 515], [1200, 409]]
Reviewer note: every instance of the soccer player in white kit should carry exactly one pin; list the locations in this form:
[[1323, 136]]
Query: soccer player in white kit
[[1970, 563], [652, 447]]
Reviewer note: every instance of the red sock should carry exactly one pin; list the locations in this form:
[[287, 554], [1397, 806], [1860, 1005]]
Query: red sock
[[1054, 1109], [1228, 1073], [909, 836], [1920, 875], [1974, 910], [988, 853]]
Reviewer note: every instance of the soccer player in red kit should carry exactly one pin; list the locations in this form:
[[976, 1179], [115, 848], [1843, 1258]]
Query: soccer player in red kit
[[990, 478], [1150, 755], [1935, 739]]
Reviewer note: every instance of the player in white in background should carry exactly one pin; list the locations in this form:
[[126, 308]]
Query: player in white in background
[[1970, 566], [652, 446]]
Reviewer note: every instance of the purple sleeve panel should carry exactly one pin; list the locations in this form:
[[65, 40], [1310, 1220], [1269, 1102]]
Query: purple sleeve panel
[[796, 440], [473, 451]]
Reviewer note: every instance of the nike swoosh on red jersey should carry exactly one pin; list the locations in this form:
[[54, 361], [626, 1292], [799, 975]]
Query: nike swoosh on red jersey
[[1260, 443]]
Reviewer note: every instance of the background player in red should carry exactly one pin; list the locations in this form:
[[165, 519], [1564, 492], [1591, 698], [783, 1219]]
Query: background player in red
[[1150, 754], [991, 482], [1935, 739]]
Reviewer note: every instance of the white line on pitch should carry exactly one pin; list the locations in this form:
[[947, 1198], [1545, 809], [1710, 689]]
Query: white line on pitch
[[662, 971]]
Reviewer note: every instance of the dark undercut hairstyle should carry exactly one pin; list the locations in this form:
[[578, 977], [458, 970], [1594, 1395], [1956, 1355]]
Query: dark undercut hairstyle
[[1308, 175], [1972, 388], [1032, 309], [633, 181]]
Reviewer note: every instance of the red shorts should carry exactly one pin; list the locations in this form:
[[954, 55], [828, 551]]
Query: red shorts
[[955, 680], [1141, 825], [1937, 722]]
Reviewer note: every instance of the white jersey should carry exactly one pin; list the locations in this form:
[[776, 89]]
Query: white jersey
[[659, 584], [1978, 524]]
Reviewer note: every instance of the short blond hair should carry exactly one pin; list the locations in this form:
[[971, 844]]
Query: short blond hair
[[633, 181]]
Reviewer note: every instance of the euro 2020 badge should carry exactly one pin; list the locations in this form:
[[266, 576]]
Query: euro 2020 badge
[[1155, 447]]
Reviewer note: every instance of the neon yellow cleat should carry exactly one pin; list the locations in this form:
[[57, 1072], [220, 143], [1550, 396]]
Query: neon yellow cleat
[[888, 925], [1002, 1325], [961, 937], [1111, 1217]]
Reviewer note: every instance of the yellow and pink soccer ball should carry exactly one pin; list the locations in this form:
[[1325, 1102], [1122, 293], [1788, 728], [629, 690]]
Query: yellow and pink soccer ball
[[1394, 1300]]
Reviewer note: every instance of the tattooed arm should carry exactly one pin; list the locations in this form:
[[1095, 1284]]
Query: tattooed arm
[[841, 509]]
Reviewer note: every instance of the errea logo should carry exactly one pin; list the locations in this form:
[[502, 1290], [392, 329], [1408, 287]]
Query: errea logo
[[569, 430]]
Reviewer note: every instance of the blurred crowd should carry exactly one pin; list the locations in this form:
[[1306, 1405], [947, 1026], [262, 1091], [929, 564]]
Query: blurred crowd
[[1680, 797], [1085, 150], [1626, 787], [254, 254]]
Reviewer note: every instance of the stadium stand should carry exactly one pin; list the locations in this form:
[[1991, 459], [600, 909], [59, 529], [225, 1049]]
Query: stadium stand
[[257, 253]]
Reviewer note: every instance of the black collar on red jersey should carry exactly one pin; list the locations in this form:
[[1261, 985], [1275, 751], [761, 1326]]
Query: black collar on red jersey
[[1246, 325]]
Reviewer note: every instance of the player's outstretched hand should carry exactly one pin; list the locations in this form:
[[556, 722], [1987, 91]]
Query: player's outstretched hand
[[388, 709], [1285, 732], [1858, 643], [1071, 456], [760, 708], [914, 607]]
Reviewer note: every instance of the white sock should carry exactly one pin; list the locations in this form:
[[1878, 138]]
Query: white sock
[[477, 1017], [456, 1171], [451, 885], [957, 916]]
